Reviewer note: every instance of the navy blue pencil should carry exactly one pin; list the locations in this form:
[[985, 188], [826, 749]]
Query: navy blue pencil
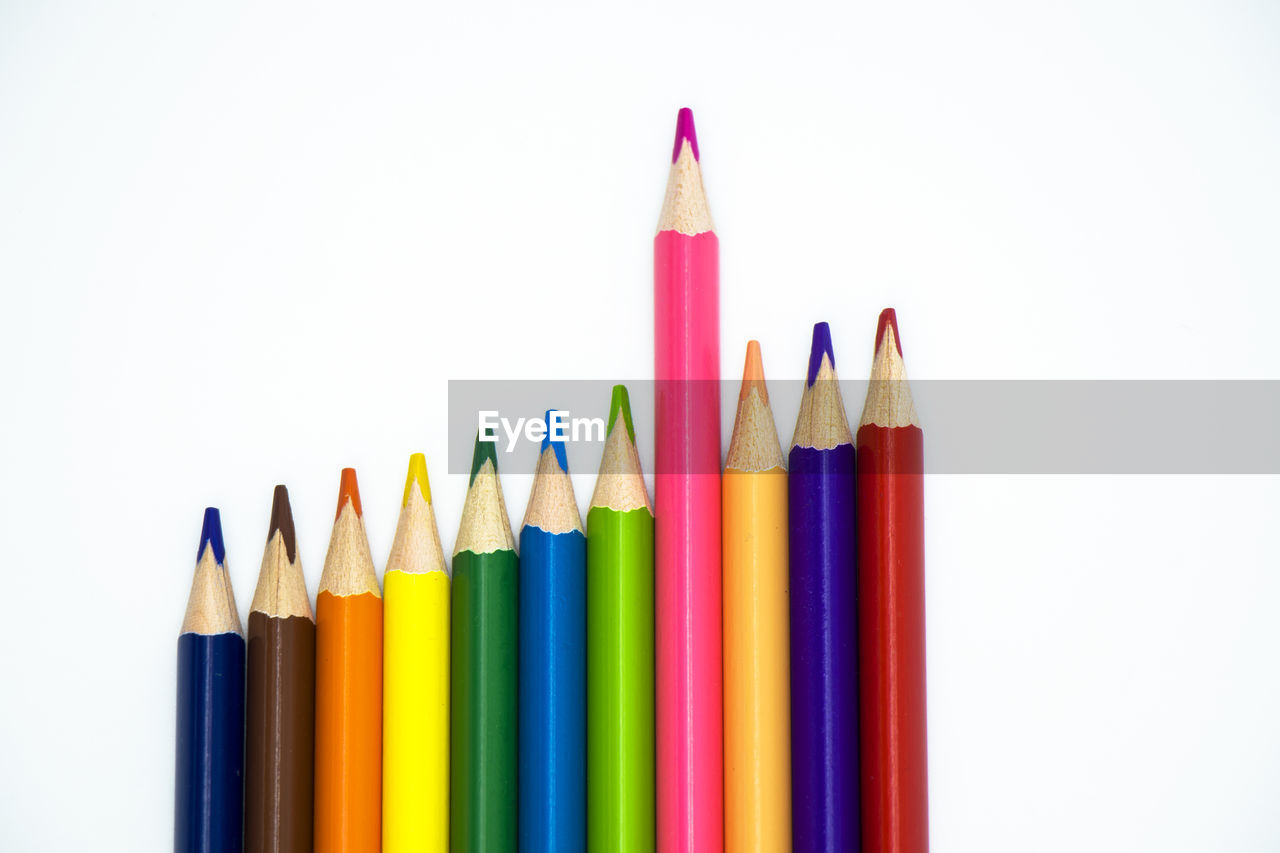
[[209, 789], [552, 740], [824, 615]]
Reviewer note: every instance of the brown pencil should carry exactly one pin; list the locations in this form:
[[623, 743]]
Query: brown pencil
[[280, 750]]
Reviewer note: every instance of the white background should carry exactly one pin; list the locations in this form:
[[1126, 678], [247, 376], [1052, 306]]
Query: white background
[[244, 245]]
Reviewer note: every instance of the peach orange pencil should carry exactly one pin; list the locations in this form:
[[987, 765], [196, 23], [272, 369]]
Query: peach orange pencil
[[686, 280], [348, 798], [757, 713]]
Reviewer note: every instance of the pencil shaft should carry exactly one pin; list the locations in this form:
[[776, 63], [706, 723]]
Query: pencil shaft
[[348, 775], [891, 614], [824, 684], [690, 770], [280, 753], [620, 734], [483, 696], [756, 664], [552, 701], [209, 785], [415, 802]]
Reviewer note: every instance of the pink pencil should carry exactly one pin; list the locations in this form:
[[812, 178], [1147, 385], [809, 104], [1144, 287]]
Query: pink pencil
[[686, 283]]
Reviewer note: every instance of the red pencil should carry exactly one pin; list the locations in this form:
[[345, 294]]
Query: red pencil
[[890, 501]]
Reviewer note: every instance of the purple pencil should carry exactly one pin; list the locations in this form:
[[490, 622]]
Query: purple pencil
[[824, 627]]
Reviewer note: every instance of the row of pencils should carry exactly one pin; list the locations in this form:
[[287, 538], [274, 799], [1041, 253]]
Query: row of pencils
[[738, 664]]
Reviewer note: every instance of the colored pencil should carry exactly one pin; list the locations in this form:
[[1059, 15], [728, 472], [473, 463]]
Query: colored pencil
[[895, 778], [415, 697], [209, 785], [280, 758], [482, 775], [553, 660], [686, 275], [824, 676], [348, 803], [757, 714], [620, 792]]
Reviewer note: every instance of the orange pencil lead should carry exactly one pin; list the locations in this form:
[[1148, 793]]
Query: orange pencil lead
[[349, 490], [753, 374]]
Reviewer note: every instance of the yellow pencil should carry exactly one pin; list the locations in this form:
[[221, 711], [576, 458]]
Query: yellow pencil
[[757, 717], [415, 704]]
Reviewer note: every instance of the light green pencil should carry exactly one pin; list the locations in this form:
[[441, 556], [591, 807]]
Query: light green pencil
[[620, 745]]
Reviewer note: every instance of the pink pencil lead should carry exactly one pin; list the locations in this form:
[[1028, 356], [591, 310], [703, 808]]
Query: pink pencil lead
[[685, 130]]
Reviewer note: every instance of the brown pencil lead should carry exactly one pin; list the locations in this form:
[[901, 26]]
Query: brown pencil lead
[[282, 522]]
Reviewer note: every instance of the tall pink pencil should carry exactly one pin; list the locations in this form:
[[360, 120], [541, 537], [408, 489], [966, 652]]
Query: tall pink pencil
[[686, 283]]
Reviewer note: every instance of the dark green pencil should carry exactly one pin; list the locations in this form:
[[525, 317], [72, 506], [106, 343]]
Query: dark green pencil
[[482, 775]]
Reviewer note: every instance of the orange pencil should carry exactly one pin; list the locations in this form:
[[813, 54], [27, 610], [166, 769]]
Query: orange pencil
[[348, 806], [757, 689]]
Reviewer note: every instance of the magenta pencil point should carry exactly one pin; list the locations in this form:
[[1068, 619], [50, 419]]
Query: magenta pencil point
[[685, 131]]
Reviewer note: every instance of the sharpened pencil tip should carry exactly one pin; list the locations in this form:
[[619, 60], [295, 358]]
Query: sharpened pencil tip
[[554, 438], [282, 522], [685, 131], [348, 490], [888, 318], [486, 449], [211, 536], [620, 403], [753, 374], [417, 477], [821, 347]]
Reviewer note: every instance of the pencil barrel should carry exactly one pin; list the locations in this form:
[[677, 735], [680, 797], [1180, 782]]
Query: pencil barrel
[[415, 736], [757, 716], [280, 736], [891, 619], [209, 784], [620, 681], [348, 776], [689, 717], [552, 683], [824, 682], [483, 696]]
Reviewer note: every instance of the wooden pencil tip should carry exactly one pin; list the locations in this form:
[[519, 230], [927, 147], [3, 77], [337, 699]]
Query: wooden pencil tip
[[417, 476], [685, 131], [620, 404], [282, 522], [211, 536], [821, 346], [554, 438], [348, 490], [753, 374], [485, 450], [888, 319]]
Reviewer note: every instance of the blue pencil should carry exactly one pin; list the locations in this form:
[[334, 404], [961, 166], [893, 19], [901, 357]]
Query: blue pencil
[[553, 728], [824, 626], [209, 790]]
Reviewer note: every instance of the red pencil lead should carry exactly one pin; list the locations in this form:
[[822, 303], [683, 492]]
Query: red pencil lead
[[889, 318]]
